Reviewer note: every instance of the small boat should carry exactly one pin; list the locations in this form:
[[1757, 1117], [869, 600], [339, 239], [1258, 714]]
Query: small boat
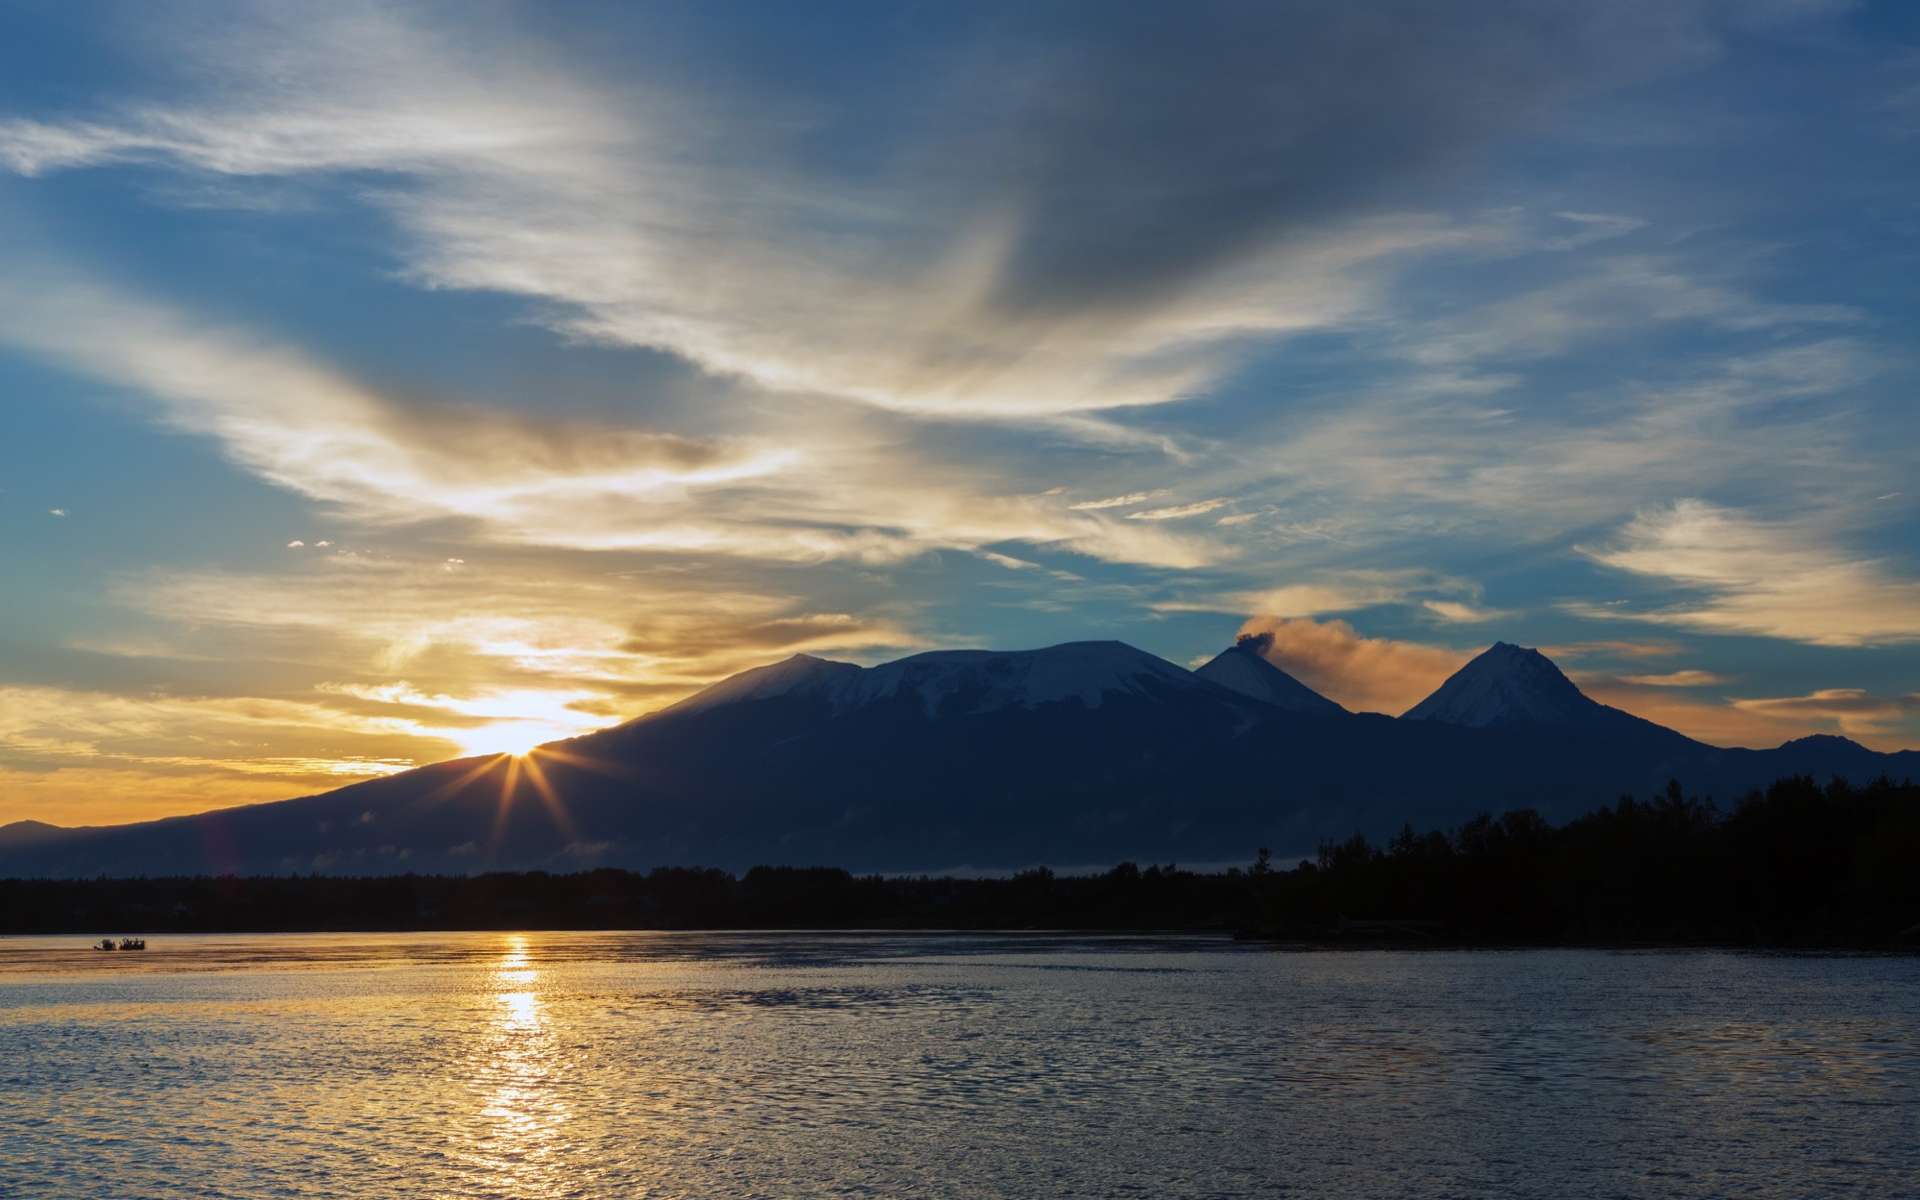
[[103, 944], [133, 943]]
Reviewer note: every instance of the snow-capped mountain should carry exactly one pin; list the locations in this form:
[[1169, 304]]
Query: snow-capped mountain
[[966, 681], [1510, 685], [802, 676], [1085, 753], [1242, 668]]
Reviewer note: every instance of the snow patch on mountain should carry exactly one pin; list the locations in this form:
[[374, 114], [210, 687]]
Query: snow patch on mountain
[[1240, 668], [802, 675], [985, 680], [1085, 671], [1508, 685]]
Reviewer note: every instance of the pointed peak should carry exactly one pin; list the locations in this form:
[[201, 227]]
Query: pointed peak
[[1511, 655], [1512, 651], [1507, 684], [1244, 668]]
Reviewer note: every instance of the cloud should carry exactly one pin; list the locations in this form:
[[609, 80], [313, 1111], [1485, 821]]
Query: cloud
[[1676, 679], [1884, 723], [101, 794], [793, 494], [764, 639], [565, 626], [1539, 449], [1008, 561], [1713, 721], [358, 665], [1749, 576], [1595, 227], [1850, 711], [1087, 231], [56, 512], [1608, 298], [1611, 649], [919, 284], [1115, 501], [1328, 591], [78, 755], [1463, 614], [1365, 674], [313, 429], [1178, 512]]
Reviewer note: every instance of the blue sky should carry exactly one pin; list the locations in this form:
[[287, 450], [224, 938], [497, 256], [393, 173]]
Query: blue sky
[[379, 383]]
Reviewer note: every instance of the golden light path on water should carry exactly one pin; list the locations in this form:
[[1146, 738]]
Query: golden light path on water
[[517, 1074], [733, 1065]]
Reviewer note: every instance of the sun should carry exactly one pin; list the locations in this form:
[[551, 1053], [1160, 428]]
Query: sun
[[514, 722], [514, 738]]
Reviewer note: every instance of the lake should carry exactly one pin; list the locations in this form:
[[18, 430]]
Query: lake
[[776, 1065]]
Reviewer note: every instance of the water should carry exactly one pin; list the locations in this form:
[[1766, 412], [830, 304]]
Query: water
[[724, 1065]]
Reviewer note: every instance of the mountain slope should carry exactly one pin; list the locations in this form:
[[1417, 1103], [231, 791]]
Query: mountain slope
[[26, 833], [1242, 668], [1507, 685], [1515, 687], [1082, 754]]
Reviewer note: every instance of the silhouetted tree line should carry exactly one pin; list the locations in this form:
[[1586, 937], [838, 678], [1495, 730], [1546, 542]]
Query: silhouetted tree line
[[1127, 897], [1797, 865]]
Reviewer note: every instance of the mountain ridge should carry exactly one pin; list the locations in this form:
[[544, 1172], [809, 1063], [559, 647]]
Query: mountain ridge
[[1517, 687], [1083, 752]]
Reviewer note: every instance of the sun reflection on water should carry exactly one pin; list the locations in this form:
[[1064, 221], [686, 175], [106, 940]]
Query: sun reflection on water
[[518, 1078]]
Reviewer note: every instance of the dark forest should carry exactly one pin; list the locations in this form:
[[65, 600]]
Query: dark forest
[[1800, 865]]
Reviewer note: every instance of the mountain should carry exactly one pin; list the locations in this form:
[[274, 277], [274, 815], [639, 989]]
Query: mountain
[[1242, 668], [25, 833], [1511, 685], [975, 681], [1518, 688], [1075, 755]]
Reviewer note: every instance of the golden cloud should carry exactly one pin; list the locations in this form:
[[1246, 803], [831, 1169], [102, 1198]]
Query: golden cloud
[[1365, 674]]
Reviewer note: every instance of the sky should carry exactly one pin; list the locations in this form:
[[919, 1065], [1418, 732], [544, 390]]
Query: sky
[[383, 383]]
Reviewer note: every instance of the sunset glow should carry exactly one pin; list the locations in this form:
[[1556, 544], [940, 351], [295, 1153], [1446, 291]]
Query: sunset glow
[[387, 385]]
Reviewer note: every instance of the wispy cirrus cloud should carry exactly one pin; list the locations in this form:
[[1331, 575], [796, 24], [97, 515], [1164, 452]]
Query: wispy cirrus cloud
[[1612, 297], [304, 425], [378, 663], [818, 493], [906, 294], [1743, 575], [981, 278], [1854, 712], [75, 756], [1178, 512], [1460, 613], [1121, 501], [1614, 649], [1691, 678], [1334, 591]]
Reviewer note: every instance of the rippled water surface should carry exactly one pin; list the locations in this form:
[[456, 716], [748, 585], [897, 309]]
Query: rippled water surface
[[720, 1065]]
